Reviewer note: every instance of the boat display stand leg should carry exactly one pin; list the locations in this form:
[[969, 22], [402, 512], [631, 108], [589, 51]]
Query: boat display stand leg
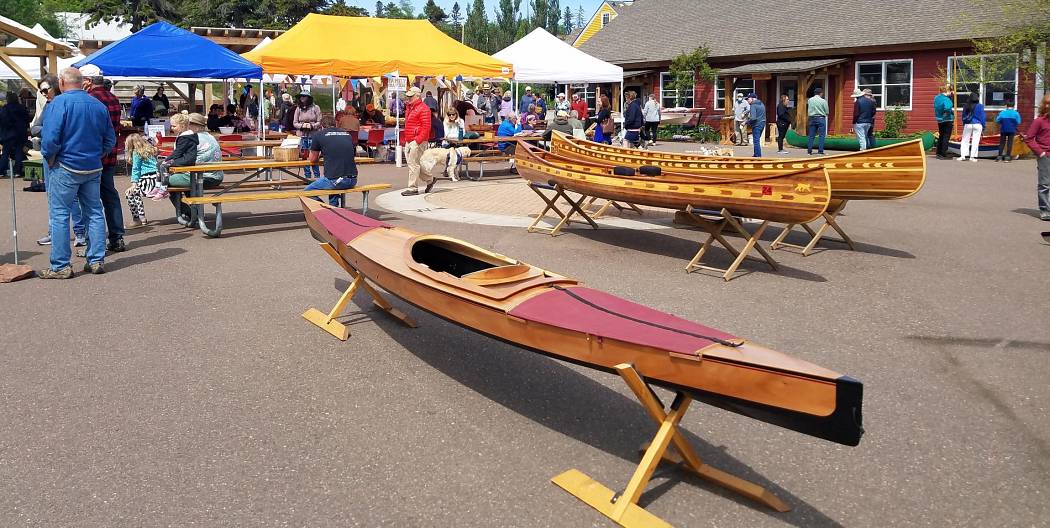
[[328, 322], [575, 208], [714, 226], [600, 212], [622, 507], [830, 220]]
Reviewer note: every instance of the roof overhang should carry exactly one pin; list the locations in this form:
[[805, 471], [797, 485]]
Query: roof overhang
[[799, 66]]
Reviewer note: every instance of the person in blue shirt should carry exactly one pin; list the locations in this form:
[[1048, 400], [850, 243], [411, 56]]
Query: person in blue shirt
[[526, 100], [864, 118], [944, 111], [757, 120], [76, 133], [973, 125], [508, 128], [1008, 121]]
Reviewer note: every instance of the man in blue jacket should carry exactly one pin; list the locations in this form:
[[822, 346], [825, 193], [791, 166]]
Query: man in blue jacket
[[944, 111], [76, 134], [757, 120], [864, 118]]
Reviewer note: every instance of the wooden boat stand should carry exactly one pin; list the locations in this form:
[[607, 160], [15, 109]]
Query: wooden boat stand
[[816, 236], [622, 507], [600, 212], [714, 228], [327, 321], [575, 208]]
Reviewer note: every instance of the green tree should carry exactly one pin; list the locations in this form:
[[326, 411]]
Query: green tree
[[579, 16], [566, 21], [476, 28], [32, 12], [407, 9], [1021, 28], [539, 14], [688, 67], [379, 9], [340, 8], [553, 14], [434, 13], [505, 28], [137, 13], [456, 16]]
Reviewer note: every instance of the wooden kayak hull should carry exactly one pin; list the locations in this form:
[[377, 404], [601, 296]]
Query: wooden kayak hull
[[539, 312], [884, 173], [788, 195]]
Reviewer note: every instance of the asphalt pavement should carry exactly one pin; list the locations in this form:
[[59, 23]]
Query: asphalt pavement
[[183, 387]]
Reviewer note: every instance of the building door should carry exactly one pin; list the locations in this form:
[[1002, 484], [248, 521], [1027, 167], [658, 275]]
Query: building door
[[789, 86]]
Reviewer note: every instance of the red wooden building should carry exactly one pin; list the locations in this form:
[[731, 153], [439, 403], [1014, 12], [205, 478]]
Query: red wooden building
[[903, 53]]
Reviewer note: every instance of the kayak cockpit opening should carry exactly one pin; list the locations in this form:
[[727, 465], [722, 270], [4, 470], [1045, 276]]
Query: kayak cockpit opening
[[455, 257]]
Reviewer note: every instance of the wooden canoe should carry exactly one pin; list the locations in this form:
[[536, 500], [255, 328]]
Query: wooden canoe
[[555, 315], [788, 196], [884, 173]]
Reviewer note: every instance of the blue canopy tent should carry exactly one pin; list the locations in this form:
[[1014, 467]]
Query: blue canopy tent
[[163, 51]]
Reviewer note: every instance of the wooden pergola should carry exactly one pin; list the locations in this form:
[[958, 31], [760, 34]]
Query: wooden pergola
[[46, 49]]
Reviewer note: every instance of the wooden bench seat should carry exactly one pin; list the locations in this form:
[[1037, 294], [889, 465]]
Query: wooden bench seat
[[278, 195], [261, 184]]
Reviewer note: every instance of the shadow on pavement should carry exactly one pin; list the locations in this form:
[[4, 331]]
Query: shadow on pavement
[[23, 255], [832, 242], [681, 248], [144, 258], [563, 400], [1034, 213]]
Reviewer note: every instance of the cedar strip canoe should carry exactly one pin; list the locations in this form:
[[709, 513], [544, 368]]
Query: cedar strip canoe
[[884, 173], [554, 315], [788, 195]]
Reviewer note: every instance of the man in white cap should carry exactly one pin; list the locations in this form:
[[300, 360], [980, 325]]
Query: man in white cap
[[416, 138], [526, 100], [93, 85], [864, 109]]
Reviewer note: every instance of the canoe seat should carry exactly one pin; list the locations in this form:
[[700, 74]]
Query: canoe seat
[[503, 274], [620, 170], [650, 170]]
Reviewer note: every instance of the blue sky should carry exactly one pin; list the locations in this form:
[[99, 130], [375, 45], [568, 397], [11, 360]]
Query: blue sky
[[588, 5]]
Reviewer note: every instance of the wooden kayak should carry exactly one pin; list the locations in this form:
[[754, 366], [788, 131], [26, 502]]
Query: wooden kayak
[[557, 316], [884, 173], [788, 195]]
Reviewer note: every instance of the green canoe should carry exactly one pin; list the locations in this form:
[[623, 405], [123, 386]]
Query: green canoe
[[850, 143]]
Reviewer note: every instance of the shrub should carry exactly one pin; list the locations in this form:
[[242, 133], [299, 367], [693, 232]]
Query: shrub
[[896, 122]]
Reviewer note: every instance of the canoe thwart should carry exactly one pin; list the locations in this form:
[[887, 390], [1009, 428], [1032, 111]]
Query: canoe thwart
[[622, 508]]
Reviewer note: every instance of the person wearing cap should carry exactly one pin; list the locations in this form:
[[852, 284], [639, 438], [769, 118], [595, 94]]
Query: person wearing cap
[[416, 138], [432, 102], [193, 145], [489, 106], [526, 100], [108, 190], [561, 123], [579, 104], [864, 118], [141, 110], [651, 113], [286, 115], [740, 118], [757, 121], [817, 112], [77, 133]]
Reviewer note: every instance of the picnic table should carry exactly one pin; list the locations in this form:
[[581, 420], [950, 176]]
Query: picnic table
[[195, 198], [488, 155]]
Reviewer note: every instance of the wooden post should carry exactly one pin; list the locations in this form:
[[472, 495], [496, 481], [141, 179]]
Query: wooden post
[[193, 97], [838, 106], [208, 96], [801, 111], [728, 102]]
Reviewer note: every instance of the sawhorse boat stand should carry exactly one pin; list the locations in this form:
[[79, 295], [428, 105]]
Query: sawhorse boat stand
[[575, 208], [830, 216], [328, 322], [714, 224], [600, 212], [622, 507]]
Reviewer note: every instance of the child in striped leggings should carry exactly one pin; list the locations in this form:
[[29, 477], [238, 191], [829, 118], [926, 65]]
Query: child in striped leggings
[[143, 176]]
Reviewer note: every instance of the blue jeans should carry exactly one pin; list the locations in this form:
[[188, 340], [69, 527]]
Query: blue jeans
[[111, 204], [756, 137], [862, 130], [1042, 187], [79, 227], [817, 125], [304, 146], [63, 189], [324, 184]]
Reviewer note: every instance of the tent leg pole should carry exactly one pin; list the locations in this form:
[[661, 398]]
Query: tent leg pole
[[14, 212]]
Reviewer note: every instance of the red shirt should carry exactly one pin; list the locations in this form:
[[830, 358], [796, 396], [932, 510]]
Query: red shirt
[[1038, 136], [581, 108], [113, 105], [417, 123]]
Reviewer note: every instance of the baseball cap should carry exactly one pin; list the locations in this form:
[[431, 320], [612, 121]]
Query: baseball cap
[[412, 92], [91, 71]]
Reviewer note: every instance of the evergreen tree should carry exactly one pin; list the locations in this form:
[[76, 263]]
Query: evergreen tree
[[539, 14], [340, 8], [379, 9], [553, 12], [433, 13], [456, 17], [567, 21], [476, 28], [579, 17], [505, 28]]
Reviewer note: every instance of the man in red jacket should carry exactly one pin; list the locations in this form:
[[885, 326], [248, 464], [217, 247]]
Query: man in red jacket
[[417, 137], [580, 105]]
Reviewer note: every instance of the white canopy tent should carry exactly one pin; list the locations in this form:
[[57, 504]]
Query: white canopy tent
[[542, 57]]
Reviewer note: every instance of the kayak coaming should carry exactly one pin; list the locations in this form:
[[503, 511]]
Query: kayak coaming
[[750, 379], [789, 196], [853, 175]]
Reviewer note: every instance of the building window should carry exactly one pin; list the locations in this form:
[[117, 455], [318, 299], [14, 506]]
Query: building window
[[671, 98], [606, 17], [741, 86], [889, 82], [992, 77]]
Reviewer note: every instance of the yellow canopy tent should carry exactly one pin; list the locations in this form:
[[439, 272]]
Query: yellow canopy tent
[[369, 47]]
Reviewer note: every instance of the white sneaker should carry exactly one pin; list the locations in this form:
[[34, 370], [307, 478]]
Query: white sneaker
[[973, 160], [961, 158]]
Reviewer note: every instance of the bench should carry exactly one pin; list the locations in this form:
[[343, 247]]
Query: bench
[[482, 160], [263, 184], [218, 199]]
